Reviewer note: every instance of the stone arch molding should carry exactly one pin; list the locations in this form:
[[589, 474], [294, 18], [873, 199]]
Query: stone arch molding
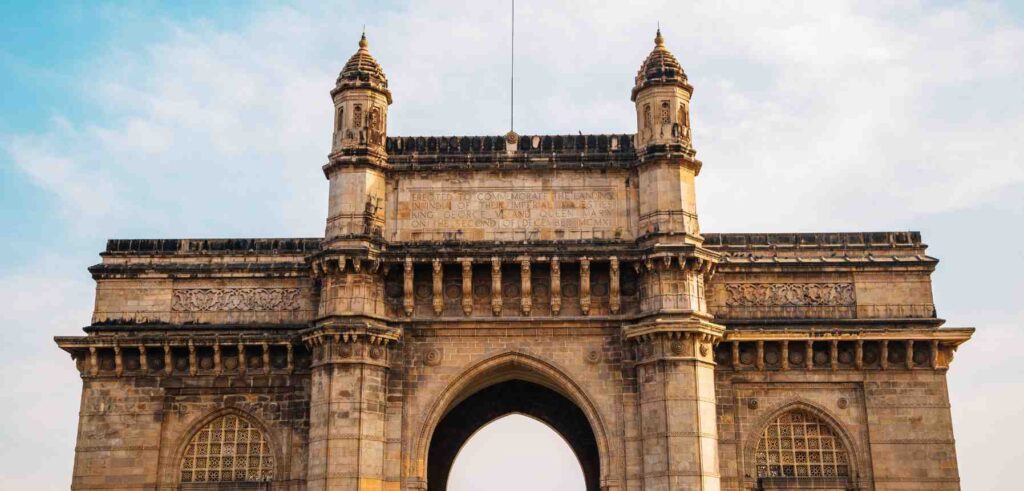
[[172, 471], [503, 367], [796, 403]]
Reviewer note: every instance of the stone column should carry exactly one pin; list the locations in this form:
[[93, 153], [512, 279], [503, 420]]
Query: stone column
[[407, 285], [438, 278], [614, 301], [585, 285], [677, 411], [496, 286], [526, 296], [347, 408], [675, 377], [556, 287], [467, 287]]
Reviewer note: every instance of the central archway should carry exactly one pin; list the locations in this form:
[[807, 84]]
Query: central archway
[[504, 383], [512, 397]]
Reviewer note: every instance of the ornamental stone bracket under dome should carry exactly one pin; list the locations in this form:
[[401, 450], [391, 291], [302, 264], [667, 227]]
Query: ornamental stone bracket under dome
[[563, 277]]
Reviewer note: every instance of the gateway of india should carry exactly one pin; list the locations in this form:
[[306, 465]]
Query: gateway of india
[[562, 277]]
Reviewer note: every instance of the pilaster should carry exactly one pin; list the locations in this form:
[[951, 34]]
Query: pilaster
[[348, 404]]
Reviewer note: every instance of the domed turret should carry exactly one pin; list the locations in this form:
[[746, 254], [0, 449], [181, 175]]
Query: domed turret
[[361, 100], [362, 71], [660, 68], [662, 96]]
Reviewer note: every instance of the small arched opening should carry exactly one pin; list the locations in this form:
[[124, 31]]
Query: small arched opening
[[798, 449], [228, 452]]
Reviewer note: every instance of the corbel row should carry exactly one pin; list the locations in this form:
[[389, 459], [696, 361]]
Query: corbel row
[[869, 350], [526, 298], [97, 356], [703, 264], [354, 344], [327, 264]]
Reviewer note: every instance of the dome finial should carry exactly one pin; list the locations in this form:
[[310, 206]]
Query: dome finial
[[362, 40], [658, 40]]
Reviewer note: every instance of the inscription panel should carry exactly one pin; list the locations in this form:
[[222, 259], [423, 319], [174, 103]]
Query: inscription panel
[[555, 205]]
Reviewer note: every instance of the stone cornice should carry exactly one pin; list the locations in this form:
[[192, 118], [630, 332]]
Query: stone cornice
[[951, 335]]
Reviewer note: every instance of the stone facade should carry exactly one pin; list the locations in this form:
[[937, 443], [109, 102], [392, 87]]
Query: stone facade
[[563, 277]]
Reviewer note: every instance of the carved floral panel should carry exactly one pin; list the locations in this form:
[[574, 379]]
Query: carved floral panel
[[788, 294], [236, 299]]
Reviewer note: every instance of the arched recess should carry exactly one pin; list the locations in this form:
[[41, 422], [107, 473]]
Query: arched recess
[[512, 382], [222, 434], [812, 415]]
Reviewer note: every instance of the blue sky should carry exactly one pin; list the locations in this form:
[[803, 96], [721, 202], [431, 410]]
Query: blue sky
[[151, 119]]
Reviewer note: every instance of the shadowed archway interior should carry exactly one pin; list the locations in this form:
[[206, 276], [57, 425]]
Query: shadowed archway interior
[[495, 401]]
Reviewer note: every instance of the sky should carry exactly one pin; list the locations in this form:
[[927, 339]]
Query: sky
[[151, 119]]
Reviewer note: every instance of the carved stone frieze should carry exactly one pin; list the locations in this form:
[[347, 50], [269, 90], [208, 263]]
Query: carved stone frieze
[[235, 299], [789, 294]]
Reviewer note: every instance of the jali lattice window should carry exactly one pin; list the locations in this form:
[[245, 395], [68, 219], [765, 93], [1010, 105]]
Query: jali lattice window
[[228, 449], [799, 444]]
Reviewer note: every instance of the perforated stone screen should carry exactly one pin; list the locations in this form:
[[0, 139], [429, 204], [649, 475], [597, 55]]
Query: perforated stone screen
[[229, 449], [801, 445]]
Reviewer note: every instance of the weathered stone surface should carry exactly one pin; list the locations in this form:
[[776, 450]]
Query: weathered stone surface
[[563, 277]]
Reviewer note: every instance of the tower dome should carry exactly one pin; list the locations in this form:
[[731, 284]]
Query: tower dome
[[362, 71], [660, 68]]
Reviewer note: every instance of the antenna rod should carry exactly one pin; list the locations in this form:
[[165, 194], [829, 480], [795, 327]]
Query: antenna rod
[[512, 74]]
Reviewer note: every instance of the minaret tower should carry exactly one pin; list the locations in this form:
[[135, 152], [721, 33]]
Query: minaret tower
[[350, 339], [674, 335], [663, 140], [358, 153]]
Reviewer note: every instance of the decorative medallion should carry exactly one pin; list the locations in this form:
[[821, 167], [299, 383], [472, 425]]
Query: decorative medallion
[[432, 356], [842, 403], [593, 356], [345, 350], [752, 404], [676, 347], [376, 352]]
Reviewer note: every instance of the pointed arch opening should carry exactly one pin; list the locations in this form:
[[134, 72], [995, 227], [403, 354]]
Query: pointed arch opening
[[516, 452], [511, 383], [227, 452]]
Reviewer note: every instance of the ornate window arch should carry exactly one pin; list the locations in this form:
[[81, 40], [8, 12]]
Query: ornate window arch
[[798, 444], [230, 448]]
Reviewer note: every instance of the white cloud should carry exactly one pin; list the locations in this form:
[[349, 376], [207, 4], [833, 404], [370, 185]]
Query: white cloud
[[812, 115]]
